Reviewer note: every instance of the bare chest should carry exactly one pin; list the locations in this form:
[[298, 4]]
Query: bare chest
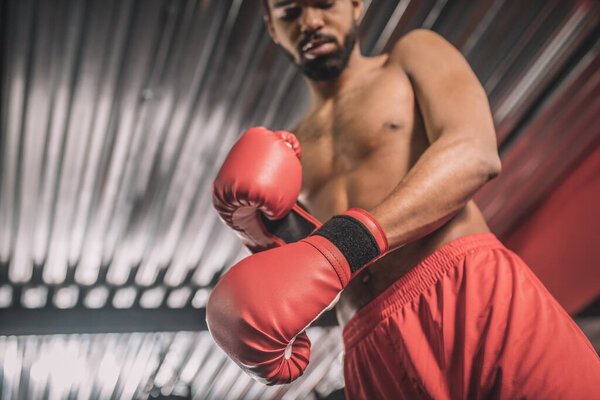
[[360, 144], [359, 121]]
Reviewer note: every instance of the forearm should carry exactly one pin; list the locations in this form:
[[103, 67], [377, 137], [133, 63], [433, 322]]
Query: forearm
[[440, 184]]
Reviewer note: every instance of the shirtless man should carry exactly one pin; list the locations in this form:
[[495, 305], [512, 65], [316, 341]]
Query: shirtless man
[[392, 150]]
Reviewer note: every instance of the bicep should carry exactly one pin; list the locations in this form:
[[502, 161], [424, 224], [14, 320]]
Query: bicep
[[449, 95]]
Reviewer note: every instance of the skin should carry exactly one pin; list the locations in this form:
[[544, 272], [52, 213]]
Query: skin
[[407, 136]]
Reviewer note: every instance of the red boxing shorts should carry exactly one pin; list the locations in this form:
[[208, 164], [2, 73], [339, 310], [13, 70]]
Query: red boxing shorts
[[470, 321]]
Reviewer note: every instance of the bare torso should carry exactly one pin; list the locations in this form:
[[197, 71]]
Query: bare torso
[[356, 147]]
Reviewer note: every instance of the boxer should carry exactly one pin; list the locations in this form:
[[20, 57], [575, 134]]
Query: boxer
[[389, 154]]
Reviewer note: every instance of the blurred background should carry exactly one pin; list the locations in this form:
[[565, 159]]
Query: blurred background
[[116, 114]]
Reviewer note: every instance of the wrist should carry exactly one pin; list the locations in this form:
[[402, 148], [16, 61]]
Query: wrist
[[358, 237]]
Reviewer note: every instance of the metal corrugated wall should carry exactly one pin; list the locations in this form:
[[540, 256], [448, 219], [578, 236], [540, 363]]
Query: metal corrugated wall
[[115, 115]]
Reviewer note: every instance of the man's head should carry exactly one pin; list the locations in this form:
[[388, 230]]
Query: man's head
[[318, 35]]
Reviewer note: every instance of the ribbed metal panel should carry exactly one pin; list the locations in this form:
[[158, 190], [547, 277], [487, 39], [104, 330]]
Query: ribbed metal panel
[[137, 365], [115, 115]]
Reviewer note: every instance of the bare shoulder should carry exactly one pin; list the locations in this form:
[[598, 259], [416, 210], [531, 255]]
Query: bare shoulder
[[421, 47], [447, 90], [419, 41]]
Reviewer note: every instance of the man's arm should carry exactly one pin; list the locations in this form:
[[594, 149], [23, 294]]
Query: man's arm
[[462, 155]]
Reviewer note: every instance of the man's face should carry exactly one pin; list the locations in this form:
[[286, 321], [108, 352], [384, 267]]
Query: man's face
[[318, 35]]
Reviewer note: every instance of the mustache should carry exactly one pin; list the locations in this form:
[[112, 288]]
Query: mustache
[[314, 36]]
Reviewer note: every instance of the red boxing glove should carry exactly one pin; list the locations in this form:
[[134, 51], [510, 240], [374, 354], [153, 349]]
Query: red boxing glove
[[256, 189], [259, 310]]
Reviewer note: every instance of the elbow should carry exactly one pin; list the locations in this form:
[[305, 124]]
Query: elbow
[[488, 167], [484, 164], [492, 166], [486, 160]]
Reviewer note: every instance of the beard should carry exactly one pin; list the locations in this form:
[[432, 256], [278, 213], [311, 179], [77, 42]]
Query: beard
[[328, 66]]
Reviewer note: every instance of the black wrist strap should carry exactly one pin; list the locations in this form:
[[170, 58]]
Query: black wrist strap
[[352, 238]]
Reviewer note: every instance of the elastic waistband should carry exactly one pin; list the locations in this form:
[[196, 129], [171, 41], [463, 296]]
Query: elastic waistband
[[417, 280]]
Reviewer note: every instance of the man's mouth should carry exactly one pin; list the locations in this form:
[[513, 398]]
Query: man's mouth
[[318, 47]]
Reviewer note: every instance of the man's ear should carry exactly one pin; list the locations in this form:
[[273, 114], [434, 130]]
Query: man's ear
[[357, 9], [271, 29]]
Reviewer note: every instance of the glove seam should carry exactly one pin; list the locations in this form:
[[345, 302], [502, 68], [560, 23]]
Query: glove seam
[[334, 262]]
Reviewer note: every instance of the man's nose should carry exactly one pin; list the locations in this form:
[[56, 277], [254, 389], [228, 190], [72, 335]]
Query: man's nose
[[312, 20]]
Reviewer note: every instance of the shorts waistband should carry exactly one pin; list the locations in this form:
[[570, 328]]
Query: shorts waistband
[[413, 283]]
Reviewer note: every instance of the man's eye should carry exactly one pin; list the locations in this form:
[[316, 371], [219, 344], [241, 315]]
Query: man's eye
[[290, 13]]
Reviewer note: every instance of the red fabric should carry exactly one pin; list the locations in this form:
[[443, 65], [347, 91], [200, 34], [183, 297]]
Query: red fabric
[[471, 321], [559, 241]]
